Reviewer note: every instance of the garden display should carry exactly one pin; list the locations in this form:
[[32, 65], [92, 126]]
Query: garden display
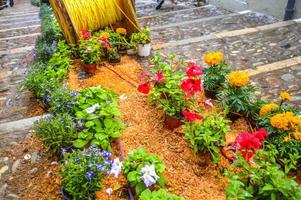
[[169, 130]]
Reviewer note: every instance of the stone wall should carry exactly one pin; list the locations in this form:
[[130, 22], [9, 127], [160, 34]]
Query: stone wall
[[274, 8]]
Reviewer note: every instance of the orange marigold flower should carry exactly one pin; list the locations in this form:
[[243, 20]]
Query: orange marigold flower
[[213, 58], [105, 35], [285, 96], [121, 31], [238, 78], [286, 121], [267, 108], [297, 135], [287, 138]]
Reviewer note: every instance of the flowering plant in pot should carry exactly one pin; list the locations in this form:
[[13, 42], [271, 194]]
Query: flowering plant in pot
[[89, 51], [206, 134], [238, 95], [215, 73], [143, 41], [122, 47], [114, 56], [170, 89], [82, 171], [143, 171]]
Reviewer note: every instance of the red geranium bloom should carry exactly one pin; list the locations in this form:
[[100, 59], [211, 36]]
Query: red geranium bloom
[[248, 141], [191, 86], [105, 43], [159, 77], [194, 70], [261, 134], [85, 34], [144, 88], [191, 116], [248, 155]]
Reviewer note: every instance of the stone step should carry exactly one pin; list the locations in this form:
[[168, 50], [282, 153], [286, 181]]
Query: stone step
[[18, 24], [271, 83], [207, 26], [18, 41], [19, 19], [246, 48], [8, 15], [20, 31], [181, 16]]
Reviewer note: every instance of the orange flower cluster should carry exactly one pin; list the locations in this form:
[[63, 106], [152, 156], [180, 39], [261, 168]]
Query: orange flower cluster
[[238, 78], [286, 121], [267, 108], [121, 31], [214, 58], [285, 96], [105, 35]]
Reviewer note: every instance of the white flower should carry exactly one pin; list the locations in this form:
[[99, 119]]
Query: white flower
[[92, 108], [109, 191], [123, 97], [116, 167], [209, 103], [149, 175]]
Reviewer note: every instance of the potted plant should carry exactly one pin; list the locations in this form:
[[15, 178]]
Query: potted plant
[[143, 41], [89, 51], [131, 48], [114, 56], [215, 73], [122, 40]]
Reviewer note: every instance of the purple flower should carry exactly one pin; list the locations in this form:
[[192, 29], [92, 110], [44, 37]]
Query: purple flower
[[75, 160], [90, 174]]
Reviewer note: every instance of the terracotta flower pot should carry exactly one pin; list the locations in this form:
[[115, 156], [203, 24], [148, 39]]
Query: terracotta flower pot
[[210, 94], [172, 122], [90, 68]]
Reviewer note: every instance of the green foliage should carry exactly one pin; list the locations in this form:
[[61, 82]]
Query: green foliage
[[35, 3], [238, 99], [208, 135], [135, 161], [215, 76], [56, 131], [266, 181], [158, 195], [89, 50], [101, 125], [113, 53], [168, 95], [82, 172], [143, 37]]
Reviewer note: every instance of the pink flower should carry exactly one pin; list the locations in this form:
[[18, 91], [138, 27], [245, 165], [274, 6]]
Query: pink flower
[[261, 134], [248, 141], [208, 104], [144, 88], [159, 77], [86, 35], [145, 76], [194, 70], [191, 117], [191, 86]]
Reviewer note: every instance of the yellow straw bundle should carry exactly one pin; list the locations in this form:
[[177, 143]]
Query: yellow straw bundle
[[93, 14]]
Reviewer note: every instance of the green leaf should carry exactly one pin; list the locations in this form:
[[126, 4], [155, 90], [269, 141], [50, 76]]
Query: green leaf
[[79, 143]]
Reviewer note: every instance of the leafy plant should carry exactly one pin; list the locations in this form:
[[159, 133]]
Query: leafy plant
[[98, 109], [207, 135], [158, 195], [133, 167], [89, 50], [265, 181], [113, 53], [143, 37], [56, 131], [82, 172]]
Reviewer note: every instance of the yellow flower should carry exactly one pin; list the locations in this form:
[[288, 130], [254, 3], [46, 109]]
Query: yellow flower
[[286, 121], [285, 96], [287, 138], [267, 108], [105, 35], [238, 78], [297, 135], [213, 58], [121, 31]]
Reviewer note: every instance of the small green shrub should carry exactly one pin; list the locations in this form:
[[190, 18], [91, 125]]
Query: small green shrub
[[135, 164], [158, 195], [89, 50]]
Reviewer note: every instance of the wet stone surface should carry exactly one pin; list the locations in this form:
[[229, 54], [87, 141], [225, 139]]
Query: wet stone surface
[[21, 31], [18, 24], [274, 82], [250, 50], [184, 15], [203, 28], [18, 42]]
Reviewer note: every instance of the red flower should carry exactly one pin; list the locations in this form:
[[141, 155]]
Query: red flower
[[105, 43], [191, 116], [191, 86], [194, 70], [85, 34], [248, 141], [144, 88], [144, 76], [248, 155], [159, 77], [261, 134]]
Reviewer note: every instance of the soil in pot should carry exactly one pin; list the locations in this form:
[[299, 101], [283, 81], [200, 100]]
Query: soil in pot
[[90, 68], [172, 122], [210, 94], [115, 59], [233, 116]]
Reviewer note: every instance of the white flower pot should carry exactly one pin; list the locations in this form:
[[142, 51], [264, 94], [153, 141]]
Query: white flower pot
[[131, 51], [144, 50]]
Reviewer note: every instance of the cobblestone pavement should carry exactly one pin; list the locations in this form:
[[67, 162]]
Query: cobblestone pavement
[[16, 52]]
